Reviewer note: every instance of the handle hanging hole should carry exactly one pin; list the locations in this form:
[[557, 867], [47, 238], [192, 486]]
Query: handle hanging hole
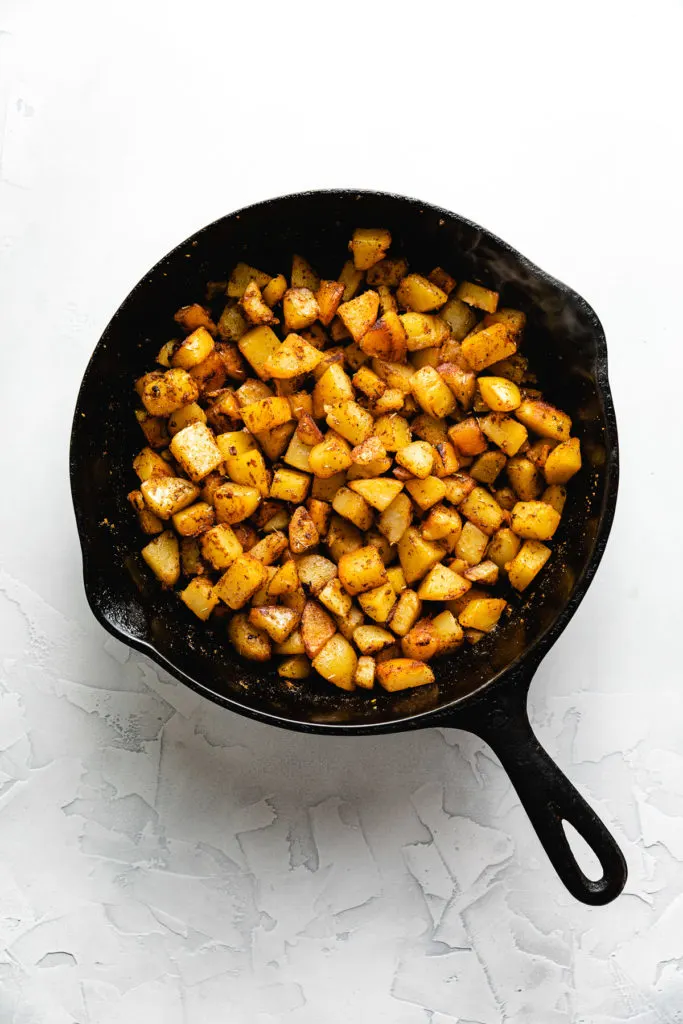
[[585, 856]]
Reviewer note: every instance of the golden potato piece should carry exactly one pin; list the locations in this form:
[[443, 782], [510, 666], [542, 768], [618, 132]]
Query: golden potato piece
[[387, 273], [195, 450], [240, 277], [352, 279], [486, 573], [396, 518], [386, 338], [219, 546], [248, 640], [361, 570], [235, 502], [487, 467], [300, 308], [193, 350], [378, 602], [482, 613], [364, 675], [448, 631], [555, 495], [368, 246], [403, 673], [270, 547], [303, 274], [544, 419], [534, 520], [328, 296], [296, 667], [471, 544], [332, 388], [162, 394], [351, 421], [273, 291], [482, 509], [418, 458], [476, 295], [183, 417], [461, 382], [423, 331], [241, 580], [379, 492], [503, 547], [331, 456], [166, 495], [527, 563], [277, 622], [194, 519], [199, 597], [336, 662], [162, 555], [372, 639], [294, 357], [427, 492], [353, 507], [526, 480], [430, 391], [359, 314], [505, 432], [257, 345], [499, 393], [467, 437], [405, 613], [441, 522], [303, 534], [256, 310], [149, 523], [420, 294], [334, 597], [266, 414], [290, 485], [563, 462], [148, 464], [317, 627], [417, 555], [488, 346], [442, 584]]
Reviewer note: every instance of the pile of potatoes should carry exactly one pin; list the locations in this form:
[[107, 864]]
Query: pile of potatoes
[[346, 470]]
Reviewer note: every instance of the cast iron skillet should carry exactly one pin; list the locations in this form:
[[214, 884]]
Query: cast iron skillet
[[484, 688]]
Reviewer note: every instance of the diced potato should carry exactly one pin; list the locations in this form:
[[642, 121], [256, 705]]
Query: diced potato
[[504, 431], [563, 462], [210, 374], [369, 383], [467, 437], [403, 673], [193, 350], [274, 290], [252, 390], [555, 495], [396, 518], [432, 393], [332, 388], [487, 467], [442, 279], [526, 480], [392, 400], [199, 597], [285, 580], [277, 622], [396, 577], [346, 624], [482, 509], [328, 296], [500, 394], [361, 570], [486, 573], [193, 316], [386, 338], [232, 323], [418, 458], [190, 557], [184, 416], [379, 492], [300, 308], [162, 394], [241, 580], [154, 428], [359, 314], [297, 454], [421, 642], [303, 274], [354, 507], [527, 563], [417, 555], [337, 662], [325, 490], [448, 631], [441, 522], [446, 459], [148, 464], [405, 613], [476, 295], [378, 603], [240, 277], [397, 375], [471, 544], [514, 319], [274, 442], [351, 277], [488, 346], [331, 456], [368, 452], [387, 301], [195, 450], [249, 641], [320, 512], [219, 546], [482, 613], [194, 519], [543, 419], [423, 331], [308, 432], [149, 522], [387, 273], [461, 382], [303, 534], [372, 639], [364, 675], [290, 485], [426, 493], [294, 643], [235, 502], [249, 468], [459, 317], [266, 414], [269, 548], [442, 584], [296, 667], [166, 495], [257, 346], [162, 555], [351, 421], [294, 357], [503, 547], [334, 597], [458, 487], [420, 294], [315, 571], [256, 309], [317, 627], [426, 357], [429, 428], [534, 520], [368, 246]]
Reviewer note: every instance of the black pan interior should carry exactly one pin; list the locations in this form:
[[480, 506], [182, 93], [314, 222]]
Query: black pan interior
[[564, 342]]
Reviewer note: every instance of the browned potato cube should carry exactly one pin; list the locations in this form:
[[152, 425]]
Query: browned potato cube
[[387, 273], [405, 613], [417, 555], [325, 489], [331, 456], [361, 570], [505, 432], [446, 460], [302, 531], [563, 462], [257, 345], [166, 495], [220, 547], [476, 295], [162, 555], [442, 279], [535, 520], [161, 395], [364, 675], [488, 346], [543, 419], [346, 624], [195, 450], [352, 279], [386, 338], [248, 640], [420, 294], [482, 613], [183, 417], [148, 464], [285, 580], [296, 667], [368, 246], [154, 429], [335, 598], [332, 388], [277, 622], [300, 308], [372, 639], [194, 316], [467, 437], [359, 314], [241, 580], [336, 662], [351, 421], [448, 631], [353, 507], [471, 544], [418, 458], [255, 307], [328, 296], [526, 480], [232, 324], [240, 277], [555, 495], [303, 274], [441, 522], [193, 350], [194, 519], [423, 331], [527, 563], [503, 547], [270, 547], [442, 584], [316, 628], [379, 492], [368, 452], [235, 502], [458, 487], [379, 602], [315, 571], [266, 414], [199, 597], [396, 518], [486, 468], [403, 673], [500, 394], [274, 290], [461, 382], [320, 512], [294, 357], [149, 523], [289, 485], [369, 383], [432, 393], [482, 509]]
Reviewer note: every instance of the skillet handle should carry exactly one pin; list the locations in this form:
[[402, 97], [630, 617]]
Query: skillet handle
[[547, 796]]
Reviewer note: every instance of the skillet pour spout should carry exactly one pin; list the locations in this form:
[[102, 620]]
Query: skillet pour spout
[[484, 687]]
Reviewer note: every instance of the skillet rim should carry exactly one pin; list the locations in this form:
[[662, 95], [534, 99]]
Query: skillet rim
[[527, 662]]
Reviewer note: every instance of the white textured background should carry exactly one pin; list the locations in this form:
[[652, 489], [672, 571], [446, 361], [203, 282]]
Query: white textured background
[[164, 862]]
